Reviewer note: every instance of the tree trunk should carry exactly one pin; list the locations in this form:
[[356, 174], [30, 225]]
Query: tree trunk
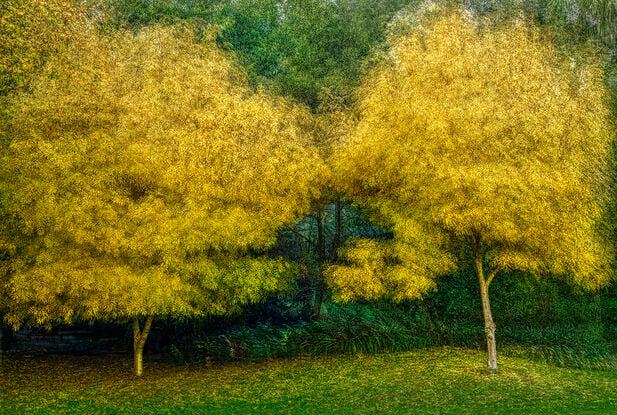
[[338, 227], [139, 340], [489, 328], [307, 291], [320, 290], [321, 254], [489, 324]]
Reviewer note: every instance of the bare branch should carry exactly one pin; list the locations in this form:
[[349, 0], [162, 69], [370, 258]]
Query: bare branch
[[299, 234]]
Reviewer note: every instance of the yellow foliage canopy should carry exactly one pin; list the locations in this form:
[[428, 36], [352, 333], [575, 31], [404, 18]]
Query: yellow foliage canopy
[[143, 168], [30, 30], [477, 134]]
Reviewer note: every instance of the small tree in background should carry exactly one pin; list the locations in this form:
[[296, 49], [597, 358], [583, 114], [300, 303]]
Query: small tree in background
[[147, 178], [477, 139]]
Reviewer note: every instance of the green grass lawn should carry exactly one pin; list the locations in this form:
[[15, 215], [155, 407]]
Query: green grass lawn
[[433, 381]]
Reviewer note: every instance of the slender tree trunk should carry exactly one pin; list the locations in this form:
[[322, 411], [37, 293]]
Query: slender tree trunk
[[321, 288], [338, 227], [139, 340], [321, 254], [319, 296], [307, 292], [489, 324], [489, 328]]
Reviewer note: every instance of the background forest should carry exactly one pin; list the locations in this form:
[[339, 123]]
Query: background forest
[[108, 227]]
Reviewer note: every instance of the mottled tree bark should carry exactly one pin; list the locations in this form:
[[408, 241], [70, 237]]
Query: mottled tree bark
[[489, 324], [139, 340]]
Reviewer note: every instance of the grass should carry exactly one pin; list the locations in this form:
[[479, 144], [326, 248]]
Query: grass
[[429, 381]]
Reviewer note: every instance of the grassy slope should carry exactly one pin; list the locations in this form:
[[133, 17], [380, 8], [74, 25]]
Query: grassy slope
[[434, 381]]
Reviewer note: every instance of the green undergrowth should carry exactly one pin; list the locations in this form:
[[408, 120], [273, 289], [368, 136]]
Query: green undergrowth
[[366, 329]]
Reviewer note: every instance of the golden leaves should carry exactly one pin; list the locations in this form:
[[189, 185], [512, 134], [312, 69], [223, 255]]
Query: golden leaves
[[377, 269], [467, 132], [30, 30], [142, 152]]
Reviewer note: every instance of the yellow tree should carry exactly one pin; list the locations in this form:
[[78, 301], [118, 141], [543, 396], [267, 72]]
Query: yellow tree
[[476, 138], [30, 30], [147, 178]]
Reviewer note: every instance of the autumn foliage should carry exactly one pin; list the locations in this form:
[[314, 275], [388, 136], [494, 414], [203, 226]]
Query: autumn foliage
[[143, 170], [477, 140], [466, 134], [32, 30]]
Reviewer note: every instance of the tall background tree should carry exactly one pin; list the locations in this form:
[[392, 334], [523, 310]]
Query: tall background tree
[[297, 48], [148, 178], [476, 143]]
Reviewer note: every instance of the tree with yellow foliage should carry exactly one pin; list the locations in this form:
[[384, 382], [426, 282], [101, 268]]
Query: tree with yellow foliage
[[148, 178], [30, 30], [482, 142]]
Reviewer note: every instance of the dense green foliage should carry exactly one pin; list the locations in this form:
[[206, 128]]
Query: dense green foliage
[[547, 320], [300, 48]]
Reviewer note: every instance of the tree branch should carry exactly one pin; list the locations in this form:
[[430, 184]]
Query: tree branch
[[492, 275], [305, 238], [146, 330], [140, 336]]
